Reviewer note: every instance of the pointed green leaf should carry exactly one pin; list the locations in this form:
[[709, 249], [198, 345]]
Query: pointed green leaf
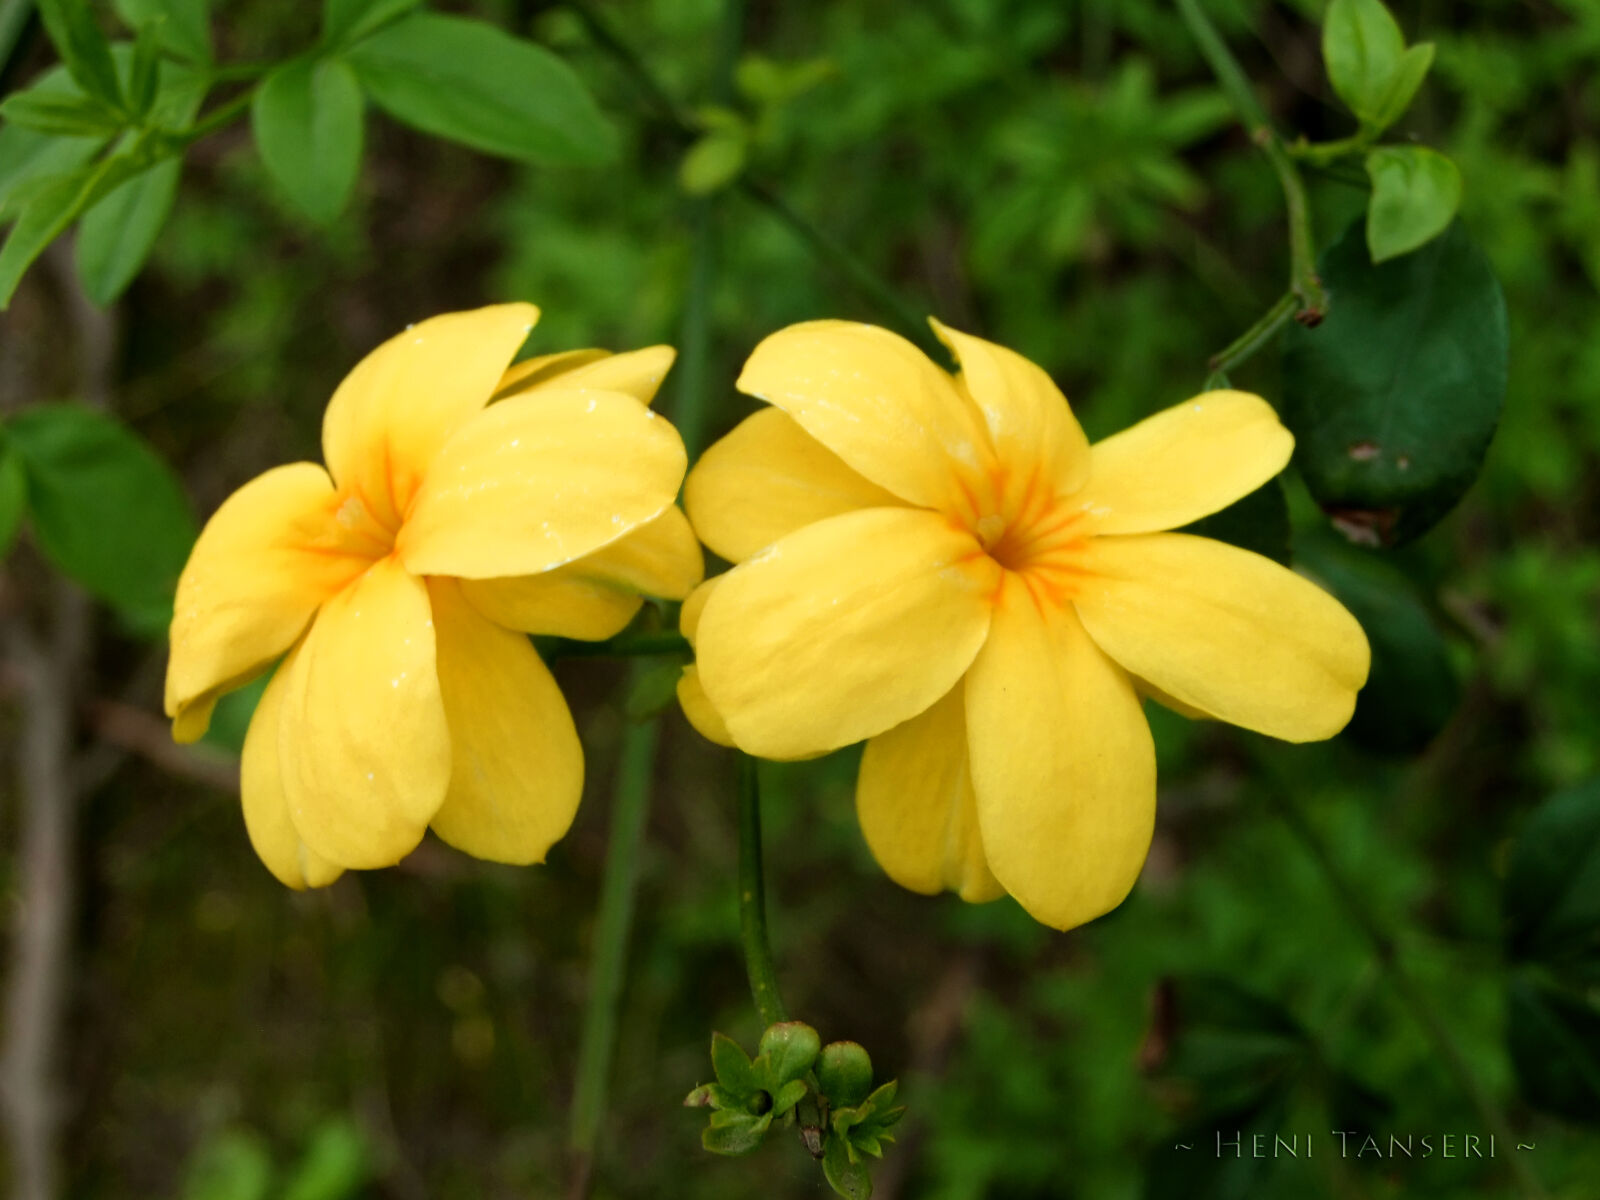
[[786, 1097], [732, 1065], [105, 508], [1361, 47], [347, 21], [182, 26], [1415, 194], [732, 1132], [27, 156], [307, 120], [469, 82], [846, 1174], [1406, 78], [117, 234], [1393, 399], [60, 115], [83, 47]]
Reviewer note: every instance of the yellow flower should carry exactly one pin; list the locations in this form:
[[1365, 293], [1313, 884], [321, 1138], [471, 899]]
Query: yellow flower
[[398, 586], [944, 566]]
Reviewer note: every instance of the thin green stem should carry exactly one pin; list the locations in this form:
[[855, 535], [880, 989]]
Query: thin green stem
[[753, 899], [613, 927], [1321, 154], [1303, 279], [828, 249], [1416, 999], [1251, 341], [219, 118]]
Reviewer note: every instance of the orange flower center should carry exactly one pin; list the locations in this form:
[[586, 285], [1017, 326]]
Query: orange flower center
[[361, 533], [1029, 530]]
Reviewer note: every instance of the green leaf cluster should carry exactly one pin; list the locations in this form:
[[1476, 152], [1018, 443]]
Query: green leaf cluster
[[334, 1163], [732, 137]]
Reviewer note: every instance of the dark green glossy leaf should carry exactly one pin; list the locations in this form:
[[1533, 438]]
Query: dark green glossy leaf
[[1552, 895], [307, 120], [1554, 1035], [1394, 397], [182, 26], [1361, 47], [346, 21], [1258, 522], [469, 82], [1415, 194], [83, 48], [117, 234], [1412, 689], [106, 509], [13, 498]]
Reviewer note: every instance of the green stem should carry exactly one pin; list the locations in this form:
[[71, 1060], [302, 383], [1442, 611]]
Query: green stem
[[613, 926], [752, 899], [1421, 1005], [1251, 341], [830, 250], [1303, 279], [1321, 154], [219, 118]]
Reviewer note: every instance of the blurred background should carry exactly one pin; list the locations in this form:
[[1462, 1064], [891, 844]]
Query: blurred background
[[1061, 177]]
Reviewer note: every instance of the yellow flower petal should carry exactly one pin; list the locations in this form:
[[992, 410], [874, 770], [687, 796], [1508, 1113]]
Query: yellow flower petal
[[402, 402], [539, 480], [362, 739], [517, 772], [694, 604], [1185, 463], [877, 402], [843, 629], [1062, 762], [766, 479], [266, 808], [1224, 630], [265, 560], [638, 373], [918, 811], [1029, 420], [706, 720], [595, 597]]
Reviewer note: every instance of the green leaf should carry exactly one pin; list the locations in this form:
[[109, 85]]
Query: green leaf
[[307, 120], [846, 1174], [83, 48], [1258, 522], [732, 1065], [789, 1048], [1394, 397], [1361, 47], [1553, 882], [1553, 1032], [469, 82], [49, 207], [106, 509], [1407, 77], [844, 1073], [1415, 194], [13, 498], [733, 1132], [233, 1166], [335, 1165], [144, 69], [346, 21], [1412, 689], [182, 26], [27, 156], [713, 162], [786, 1097], [117, 234], [59, 114]]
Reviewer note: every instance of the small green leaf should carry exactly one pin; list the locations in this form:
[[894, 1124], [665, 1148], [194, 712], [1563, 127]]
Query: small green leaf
[[713, 162], [144, 69], [1415, 194], [1553, 1032], [846, 1174], [83, 48], [1412, 689], [347, 21], [789, 1048], [786, 1097], [50, 206], [182, 26], [335, 1166], [13, 498], [307, 119], [1361, 47], [60, 115], [105, 508], [469, 82], [1553, 883], [732, 1065], [844, 1073], [235, 1165], [733, 1132], [27, 156], [1407, 77], [1393, 399], [118, 233]]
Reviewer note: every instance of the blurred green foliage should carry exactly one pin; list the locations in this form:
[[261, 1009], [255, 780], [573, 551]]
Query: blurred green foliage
[[1066, 179]]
